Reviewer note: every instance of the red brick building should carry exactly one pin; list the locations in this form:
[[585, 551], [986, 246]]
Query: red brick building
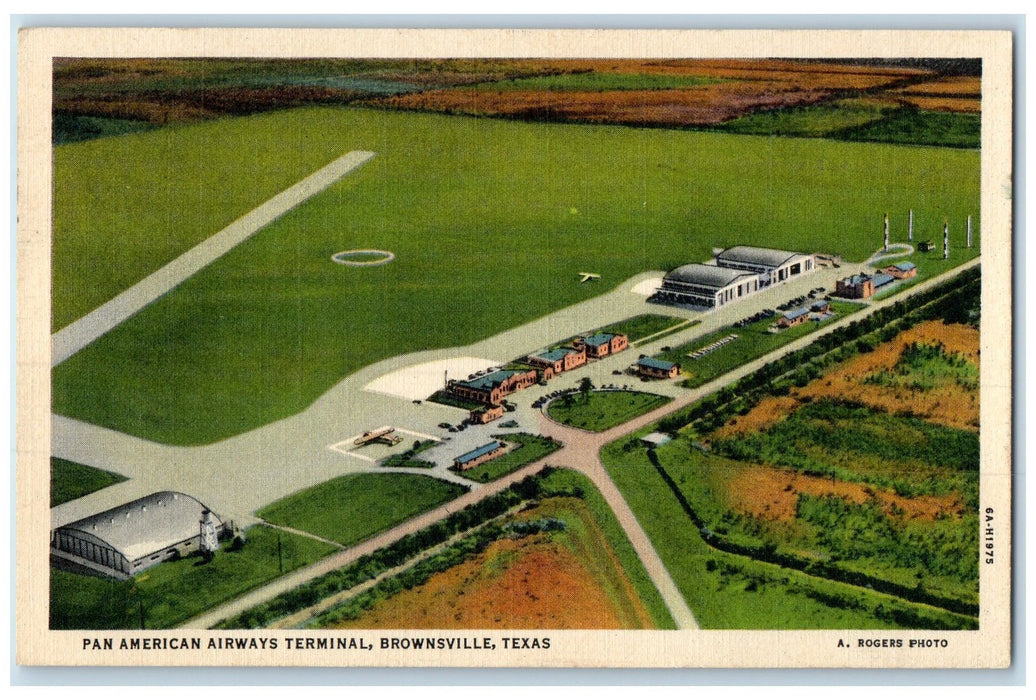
[[492, 388], [604, 344], [559, 360]]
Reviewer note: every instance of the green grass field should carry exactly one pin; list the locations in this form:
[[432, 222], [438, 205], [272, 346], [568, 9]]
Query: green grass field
[[351, 508], [69, 480], [600, 410], [863, 120], [531, 448], [264, 331], [174, 592], [753, 341]]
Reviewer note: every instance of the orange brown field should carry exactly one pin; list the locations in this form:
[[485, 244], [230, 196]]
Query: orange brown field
[[945, 104], [950, 405], [569, 580], [748, 86], [957, 86], [772, 494]]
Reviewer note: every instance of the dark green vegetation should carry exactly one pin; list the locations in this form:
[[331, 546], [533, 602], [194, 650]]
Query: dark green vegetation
[[839, 562], [529, 449], [69, 128], [69, 480], [864, 120], [353, 507], [924, 366], [644, 325], [409, 458], [598, 82], [233, 348], [754, 341], [600, 410], [173, 592], [546, 483]]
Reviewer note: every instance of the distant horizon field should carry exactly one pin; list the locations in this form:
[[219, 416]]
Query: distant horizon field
[[490, 222]]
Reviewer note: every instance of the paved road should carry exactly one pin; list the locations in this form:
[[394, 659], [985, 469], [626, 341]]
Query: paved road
[[75, 336]]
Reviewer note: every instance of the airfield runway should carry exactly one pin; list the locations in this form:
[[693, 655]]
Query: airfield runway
[[77, 335]]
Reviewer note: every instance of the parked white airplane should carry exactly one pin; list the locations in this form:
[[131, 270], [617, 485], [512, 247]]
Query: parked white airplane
[[587, 276]]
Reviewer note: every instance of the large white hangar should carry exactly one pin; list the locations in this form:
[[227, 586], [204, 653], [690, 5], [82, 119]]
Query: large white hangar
[[737, 272], [706, 285], [127, 539], [773, 266]]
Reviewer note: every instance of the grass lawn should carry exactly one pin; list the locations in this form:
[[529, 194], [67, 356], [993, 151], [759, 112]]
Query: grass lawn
[[753, 341], [409, 458], [69, 481], [266, 329], [644, 325], [174, 592], [600, 410], [530, 448], [351, 508]]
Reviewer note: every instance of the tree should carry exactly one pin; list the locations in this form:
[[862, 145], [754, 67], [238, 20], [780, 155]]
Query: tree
[[585, 387]]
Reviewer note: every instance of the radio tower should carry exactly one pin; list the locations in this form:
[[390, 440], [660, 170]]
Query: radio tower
[[969, 230], [945, 240], [886, 232], [910, 228]]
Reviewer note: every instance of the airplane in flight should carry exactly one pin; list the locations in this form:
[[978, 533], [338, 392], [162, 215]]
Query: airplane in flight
[[587, 276]]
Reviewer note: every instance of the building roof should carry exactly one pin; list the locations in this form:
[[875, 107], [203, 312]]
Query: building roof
[[770, 257], [905, 266], [706, 275], [881, 279], [491, 380], [856, 279], [663, 365], [146, 525], [479, 451], [796, 313], [599, 338], [555, 355]]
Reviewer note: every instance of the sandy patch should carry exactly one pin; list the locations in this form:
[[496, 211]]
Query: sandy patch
[[423, 380], [647, 287]]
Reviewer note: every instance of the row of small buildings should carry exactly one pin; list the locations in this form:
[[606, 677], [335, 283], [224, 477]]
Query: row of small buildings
[[491, 389]]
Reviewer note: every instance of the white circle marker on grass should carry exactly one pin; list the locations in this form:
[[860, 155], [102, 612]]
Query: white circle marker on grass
[[364, 258]]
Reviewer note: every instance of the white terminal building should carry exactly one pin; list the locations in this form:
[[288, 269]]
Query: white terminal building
[[737, 272]]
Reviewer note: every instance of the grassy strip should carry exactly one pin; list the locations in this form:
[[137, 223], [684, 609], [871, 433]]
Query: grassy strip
[[666, 333], [409, 458], [754, 341], [174, 592], [69, 480], [529, 449], [601, 410], [644, 325], [353, 507]]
